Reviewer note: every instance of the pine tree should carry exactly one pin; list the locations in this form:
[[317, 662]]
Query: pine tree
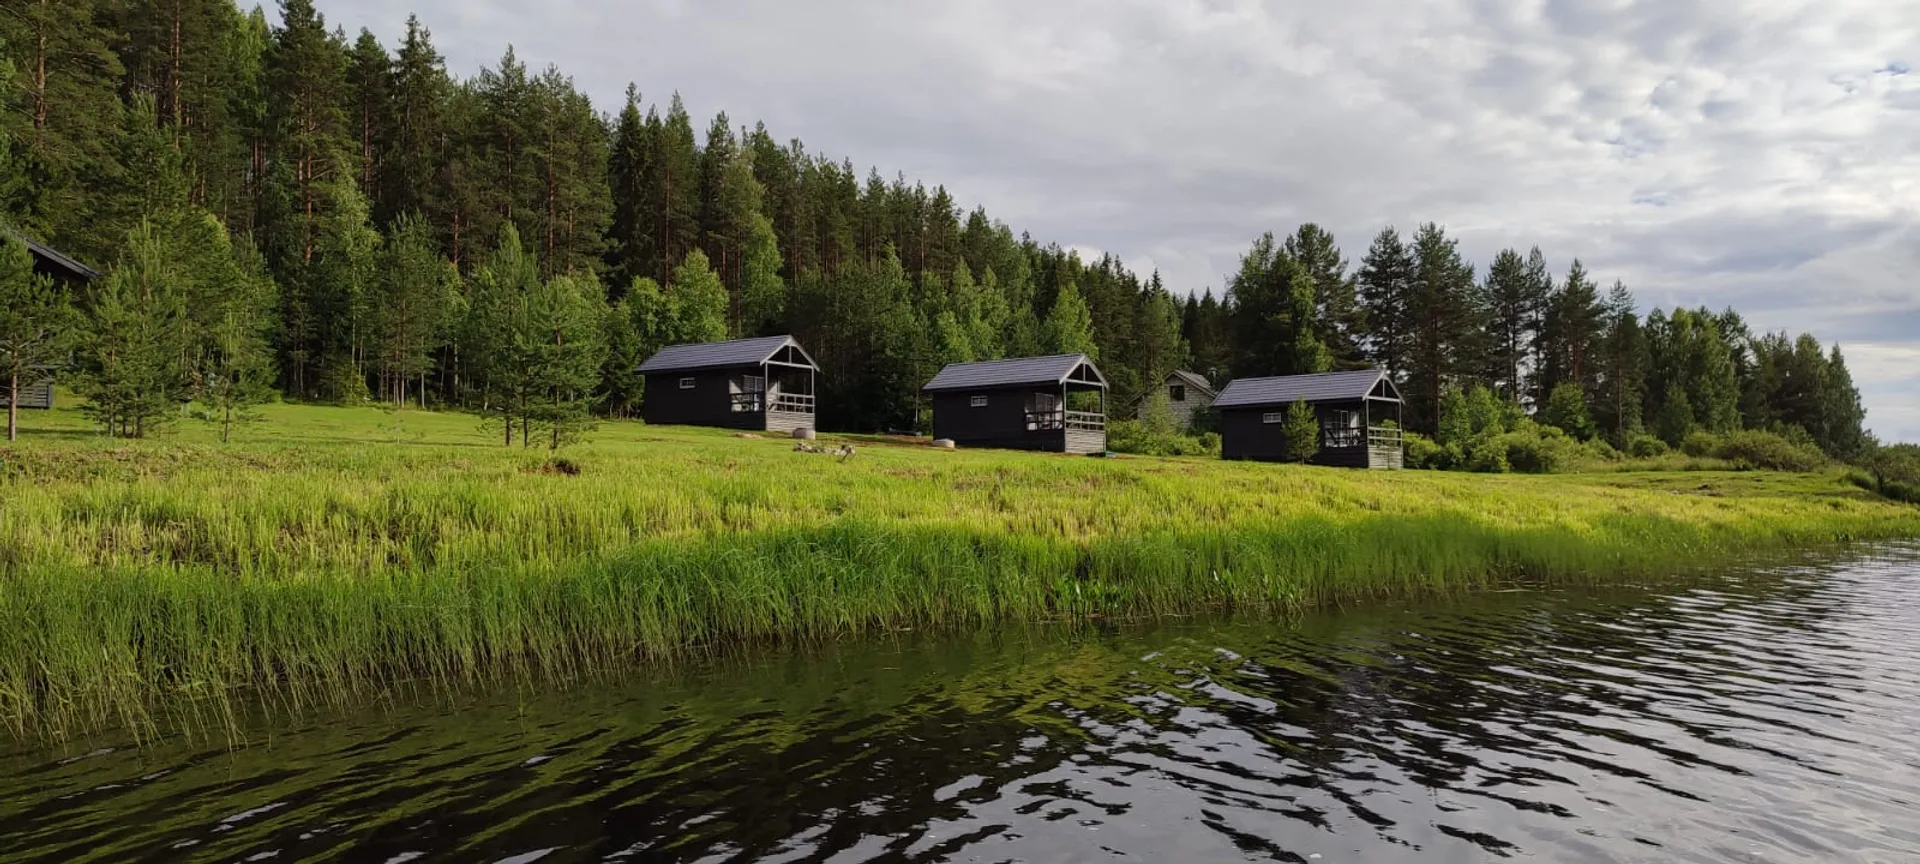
[[306, 70], [134, 341], [565, 348], [1571, 334], [234, 368], [67, 122], [1623, 383], [621, 384], [416, 291], [1513, 311], [630, 237], [417, 169], [673, 186], [1842, 435], [1069, 325], [763, 295], [700, 300], [574, 205], [1384, 282], [339, 290], [1567, 410], [1444, 322], [370, 92], [37, 324], [1302, 433], [494, 332], [1339, 321], [1272, 303]]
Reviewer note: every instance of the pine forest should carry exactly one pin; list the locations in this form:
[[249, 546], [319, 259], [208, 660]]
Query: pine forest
[[289, 211]]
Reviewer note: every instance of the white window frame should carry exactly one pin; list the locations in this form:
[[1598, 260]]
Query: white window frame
[[687, 383], [1273, 418], [979, 401]]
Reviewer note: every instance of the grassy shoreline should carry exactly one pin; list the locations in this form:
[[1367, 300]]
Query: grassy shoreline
[[334, 553]]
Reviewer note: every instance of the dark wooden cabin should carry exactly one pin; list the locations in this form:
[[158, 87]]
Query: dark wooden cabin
[[1349, 405], [1022, 404], [36, 391], [764, 384]]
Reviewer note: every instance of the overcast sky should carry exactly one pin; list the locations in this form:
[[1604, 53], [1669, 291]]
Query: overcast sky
[[1764, 155]]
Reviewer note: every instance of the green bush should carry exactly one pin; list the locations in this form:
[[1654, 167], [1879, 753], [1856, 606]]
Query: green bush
[[1542, 452], [1646, 447], [1701, 445], [1135, 437], [1421, 452], [1487, 454], [1765, 450]]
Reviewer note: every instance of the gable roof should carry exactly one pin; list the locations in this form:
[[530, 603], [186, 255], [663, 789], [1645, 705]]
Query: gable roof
[[721, 355], [1287, 389], [1192, 380], [1017, 372], [55, 258]]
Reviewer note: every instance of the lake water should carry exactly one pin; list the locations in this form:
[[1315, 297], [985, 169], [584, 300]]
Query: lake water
[[1768, 716]]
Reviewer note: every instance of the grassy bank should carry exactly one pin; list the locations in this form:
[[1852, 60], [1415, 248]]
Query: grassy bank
[[332, 554]]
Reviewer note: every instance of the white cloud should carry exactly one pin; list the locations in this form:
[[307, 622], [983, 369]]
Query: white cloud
[[1761, 155]]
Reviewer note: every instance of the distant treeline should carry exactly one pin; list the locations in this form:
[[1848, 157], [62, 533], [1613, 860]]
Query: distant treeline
[[288, 208]]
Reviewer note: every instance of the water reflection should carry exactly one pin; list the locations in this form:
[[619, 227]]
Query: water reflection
[[1764, 717]]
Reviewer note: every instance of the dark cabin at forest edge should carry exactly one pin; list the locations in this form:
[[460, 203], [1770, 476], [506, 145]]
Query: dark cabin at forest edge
[[1348, 405], [1021, 404], [764, 384], [67, 273]]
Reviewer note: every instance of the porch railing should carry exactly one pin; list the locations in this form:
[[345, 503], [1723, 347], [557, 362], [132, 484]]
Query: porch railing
[[1076, 421], [791, 403], [1333, 438]]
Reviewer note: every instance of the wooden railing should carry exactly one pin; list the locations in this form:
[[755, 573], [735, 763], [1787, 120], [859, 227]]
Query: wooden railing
[[1086, 421], [1339, 438], [1076, 421], [791, 403]]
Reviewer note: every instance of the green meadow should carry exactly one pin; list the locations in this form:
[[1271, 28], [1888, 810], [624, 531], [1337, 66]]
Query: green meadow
[[332, 555]]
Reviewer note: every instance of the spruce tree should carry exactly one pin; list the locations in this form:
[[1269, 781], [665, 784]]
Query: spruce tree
[[1339, 321], [1069, 325], [37, 324], [306, 79], [416, 170], [1512, 314], [621, 384], [1384, 282], [1567, 410], [673, 187], [67, 122], [234, 366], [1674, 420], [1842, 435], [416, 290], [631, 239], [700, 300], [564, 349], [133, 345], [1445, 322], [1301, 432], [1623, 360]]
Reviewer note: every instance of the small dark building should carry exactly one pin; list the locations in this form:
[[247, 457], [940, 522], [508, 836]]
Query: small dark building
[[1022, 404], [1348, 405], [36, 390], [55, 265], [764, 384]]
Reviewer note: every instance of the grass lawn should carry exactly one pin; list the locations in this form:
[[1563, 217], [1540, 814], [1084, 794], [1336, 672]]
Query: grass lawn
[[329, 553]]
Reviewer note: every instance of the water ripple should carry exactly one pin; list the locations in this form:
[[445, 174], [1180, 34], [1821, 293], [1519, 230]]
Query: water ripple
[[1763, 716]]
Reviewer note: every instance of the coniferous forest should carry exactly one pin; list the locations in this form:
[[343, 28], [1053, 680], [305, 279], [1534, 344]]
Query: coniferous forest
[[290, 211]]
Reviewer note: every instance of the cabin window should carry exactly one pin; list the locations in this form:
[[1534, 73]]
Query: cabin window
[[1344, 420], [1177, 393], [755, 384], [686, 383], [1273, 418], [978, 401]]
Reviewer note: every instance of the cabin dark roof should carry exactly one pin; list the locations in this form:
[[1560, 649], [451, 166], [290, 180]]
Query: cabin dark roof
[[1192, 380], [1287, 389], [55, 257], [720, 355], [1018, 372]]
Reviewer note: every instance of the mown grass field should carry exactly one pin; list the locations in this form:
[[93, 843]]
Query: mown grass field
[[329, 555]]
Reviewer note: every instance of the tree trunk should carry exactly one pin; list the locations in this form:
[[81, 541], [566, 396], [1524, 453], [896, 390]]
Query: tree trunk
[[13, 405], [509, 426]]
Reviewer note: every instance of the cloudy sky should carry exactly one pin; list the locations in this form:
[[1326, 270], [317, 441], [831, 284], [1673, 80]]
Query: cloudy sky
[[1759, 154]]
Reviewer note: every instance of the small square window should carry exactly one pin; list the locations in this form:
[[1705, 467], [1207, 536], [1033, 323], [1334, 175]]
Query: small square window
[[1177, 393], [686, 383], [1273, 418], [978, 402]]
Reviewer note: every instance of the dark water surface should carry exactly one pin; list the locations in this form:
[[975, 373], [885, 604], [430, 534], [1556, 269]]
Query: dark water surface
[[1771, 716]]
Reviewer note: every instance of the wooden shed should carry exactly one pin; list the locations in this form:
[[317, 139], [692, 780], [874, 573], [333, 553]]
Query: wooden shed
[[36, 390], [1022, 404], [1348, 405], [1187, 394], [764, 384]]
